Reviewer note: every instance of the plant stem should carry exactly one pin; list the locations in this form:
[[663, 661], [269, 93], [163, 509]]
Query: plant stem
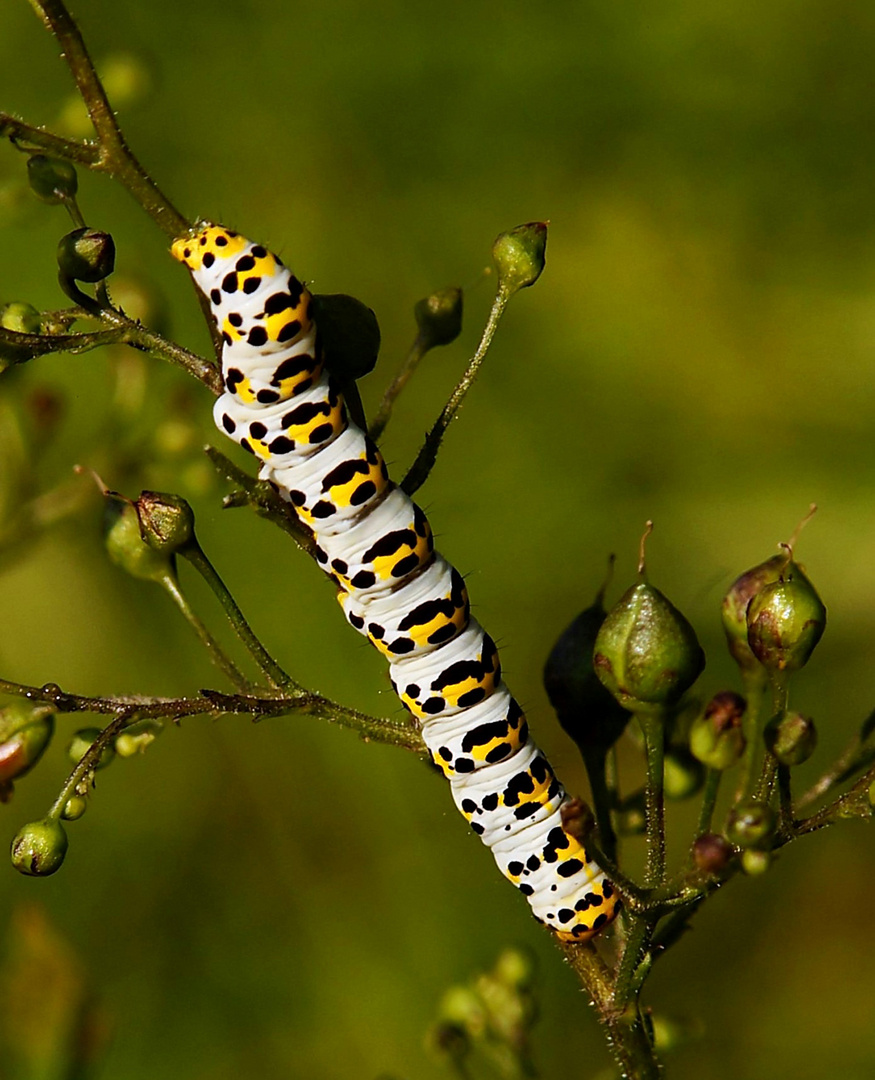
[[653, 729], [755, 682], [709, 800], [418, 472], [217, 653], [858, 754], [261, 497], [115, 157], [595, 761], [627, 1037], [780, 692], [90, 758], [271, 669], [214, 703], [417, 350], [785, 805]]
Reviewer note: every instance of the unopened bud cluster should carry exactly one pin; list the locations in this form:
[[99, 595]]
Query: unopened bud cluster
[[773, 616]]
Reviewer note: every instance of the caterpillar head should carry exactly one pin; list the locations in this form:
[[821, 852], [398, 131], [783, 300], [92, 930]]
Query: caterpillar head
[[206, 246]]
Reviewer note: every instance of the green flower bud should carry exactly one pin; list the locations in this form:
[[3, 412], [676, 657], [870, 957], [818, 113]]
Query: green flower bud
[[39, 848], [646, 653], [735, 603], [683, 775], [754, 862], [126, 546], [519, 256], [81, 743], [785, 621], [134, 742], [439, 317], [74, 808], [463, 1007], [585, 708], [51, 179], [21, 317], [515, 968], [791, 737], [712, 853], [670, 1033], [716, 737], [350, 335], [25, 732], [86, 255], [751, 824], [166, 521]]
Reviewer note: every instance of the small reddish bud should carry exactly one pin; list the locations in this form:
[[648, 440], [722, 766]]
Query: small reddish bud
[[712, 853]]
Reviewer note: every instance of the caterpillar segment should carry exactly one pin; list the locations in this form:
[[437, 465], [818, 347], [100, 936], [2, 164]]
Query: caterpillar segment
[[381, 550], [428, 610], [411, 604]]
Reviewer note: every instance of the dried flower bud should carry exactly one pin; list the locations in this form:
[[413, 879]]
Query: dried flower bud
[[646, 653], [519, 256], [586, 710], [39, 848], [25, 733], [439, 317], [785, 621], [791, 737], [86, 255], [578, 819], [350, 335], [751, 824], [52, 179], [716, 737], [712, 853], [81, 743], [21, 317], [166, 521]]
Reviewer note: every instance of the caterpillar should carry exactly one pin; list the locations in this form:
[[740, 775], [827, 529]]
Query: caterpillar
[[282, 405]]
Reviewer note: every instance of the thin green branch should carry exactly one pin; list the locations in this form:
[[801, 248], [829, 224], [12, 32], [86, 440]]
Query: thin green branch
[[855, 803], [89, 761], [419, 471], [269, 667], [217, 654], [858, 754], [120, 330], [709, 800], [755, 682], [418, 349], [603, 799], [653, 728]]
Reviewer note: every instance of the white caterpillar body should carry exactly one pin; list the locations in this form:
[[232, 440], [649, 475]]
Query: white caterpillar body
[[282, 406]]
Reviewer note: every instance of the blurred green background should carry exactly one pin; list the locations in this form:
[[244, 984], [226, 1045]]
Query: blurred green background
[[283, 900]]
